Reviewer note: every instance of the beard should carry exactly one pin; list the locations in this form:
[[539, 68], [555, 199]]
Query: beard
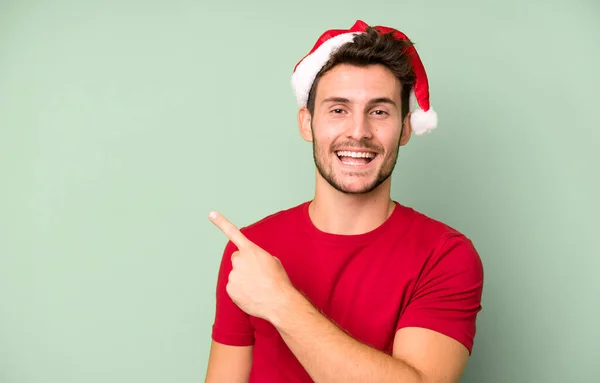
[[321, 154]]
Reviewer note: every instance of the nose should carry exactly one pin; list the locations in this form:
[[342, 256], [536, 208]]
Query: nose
[[359, 128]]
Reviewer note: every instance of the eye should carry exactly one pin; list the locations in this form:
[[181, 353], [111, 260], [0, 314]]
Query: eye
[[337, 111], [380, 112]]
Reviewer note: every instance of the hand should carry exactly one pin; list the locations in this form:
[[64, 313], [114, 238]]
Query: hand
[[258, 283]]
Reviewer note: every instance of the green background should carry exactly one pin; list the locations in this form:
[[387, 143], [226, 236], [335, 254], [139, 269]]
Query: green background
[[122, 124]]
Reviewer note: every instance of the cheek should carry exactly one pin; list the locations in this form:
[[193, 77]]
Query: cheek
[[391, 142], [324, 136], [329, 128]]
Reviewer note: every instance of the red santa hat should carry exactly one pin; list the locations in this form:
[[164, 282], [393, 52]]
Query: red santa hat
[[423, 118]]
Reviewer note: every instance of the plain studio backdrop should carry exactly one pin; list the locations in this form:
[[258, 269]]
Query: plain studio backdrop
[[123, 123]]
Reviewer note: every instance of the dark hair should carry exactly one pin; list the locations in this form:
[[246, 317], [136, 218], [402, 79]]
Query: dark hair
[[372, 48]]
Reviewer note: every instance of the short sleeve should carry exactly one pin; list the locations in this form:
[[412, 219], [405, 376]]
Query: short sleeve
[[231, 325], [447, 296]]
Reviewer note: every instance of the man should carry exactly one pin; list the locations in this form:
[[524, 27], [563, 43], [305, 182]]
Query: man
[[351, 286]]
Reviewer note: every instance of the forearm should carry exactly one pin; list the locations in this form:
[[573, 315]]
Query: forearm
[[329, 354]]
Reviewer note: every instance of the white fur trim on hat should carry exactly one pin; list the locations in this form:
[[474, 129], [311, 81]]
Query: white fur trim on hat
[[306, 71]]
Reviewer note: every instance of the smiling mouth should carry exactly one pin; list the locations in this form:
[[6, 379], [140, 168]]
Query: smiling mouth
[[355, 158]]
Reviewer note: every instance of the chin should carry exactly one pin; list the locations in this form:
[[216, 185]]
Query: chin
[[355, 187], [358, 190]]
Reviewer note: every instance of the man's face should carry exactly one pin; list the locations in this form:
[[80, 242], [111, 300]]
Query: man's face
[[356, 127]]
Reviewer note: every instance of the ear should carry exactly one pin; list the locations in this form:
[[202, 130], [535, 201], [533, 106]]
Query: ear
[[304, 123], [406, 130]]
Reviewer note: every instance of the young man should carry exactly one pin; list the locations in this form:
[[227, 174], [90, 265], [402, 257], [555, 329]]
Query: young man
[[351, 286]]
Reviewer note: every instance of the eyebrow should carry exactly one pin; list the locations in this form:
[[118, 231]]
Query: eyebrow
[[343, 100]]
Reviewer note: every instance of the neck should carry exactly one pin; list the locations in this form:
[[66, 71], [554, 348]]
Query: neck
[[334, 212]]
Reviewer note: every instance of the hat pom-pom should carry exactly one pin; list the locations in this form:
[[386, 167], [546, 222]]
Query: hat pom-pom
[[423, 121]]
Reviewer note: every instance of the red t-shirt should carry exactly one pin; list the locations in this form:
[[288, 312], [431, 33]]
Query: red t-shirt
[[410, 271]]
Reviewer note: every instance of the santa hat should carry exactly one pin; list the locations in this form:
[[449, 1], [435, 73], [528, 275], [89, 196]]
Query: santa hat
[[423, 118]]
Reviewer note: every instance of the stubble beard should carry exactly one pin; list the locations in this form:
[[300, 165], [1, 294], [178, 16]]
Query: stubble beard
[[384, 172]]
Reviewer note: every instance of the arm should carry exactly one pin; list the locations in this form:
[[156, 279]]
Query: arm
[[434, 333], [330, 355], [230, 357], [228, 364]]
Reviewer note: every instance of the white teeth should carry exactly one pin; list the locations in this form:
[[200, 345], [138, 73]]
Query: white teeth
[[355, 154]]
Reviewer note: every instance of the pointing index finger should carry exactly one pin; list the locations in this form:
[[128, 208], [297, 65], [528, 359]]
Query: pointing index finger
[[229, 229]]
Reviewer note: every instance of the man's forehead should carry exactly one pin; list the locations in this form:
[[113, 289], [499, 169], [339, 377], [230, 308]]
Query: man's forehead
[[359, 83], [363, 99]]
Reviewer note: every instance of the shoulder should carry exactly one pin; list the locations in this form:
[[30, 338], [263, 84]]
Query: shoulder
[[427, 229], [425, 224], [276, 223], [437, 241], [274, 227]]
